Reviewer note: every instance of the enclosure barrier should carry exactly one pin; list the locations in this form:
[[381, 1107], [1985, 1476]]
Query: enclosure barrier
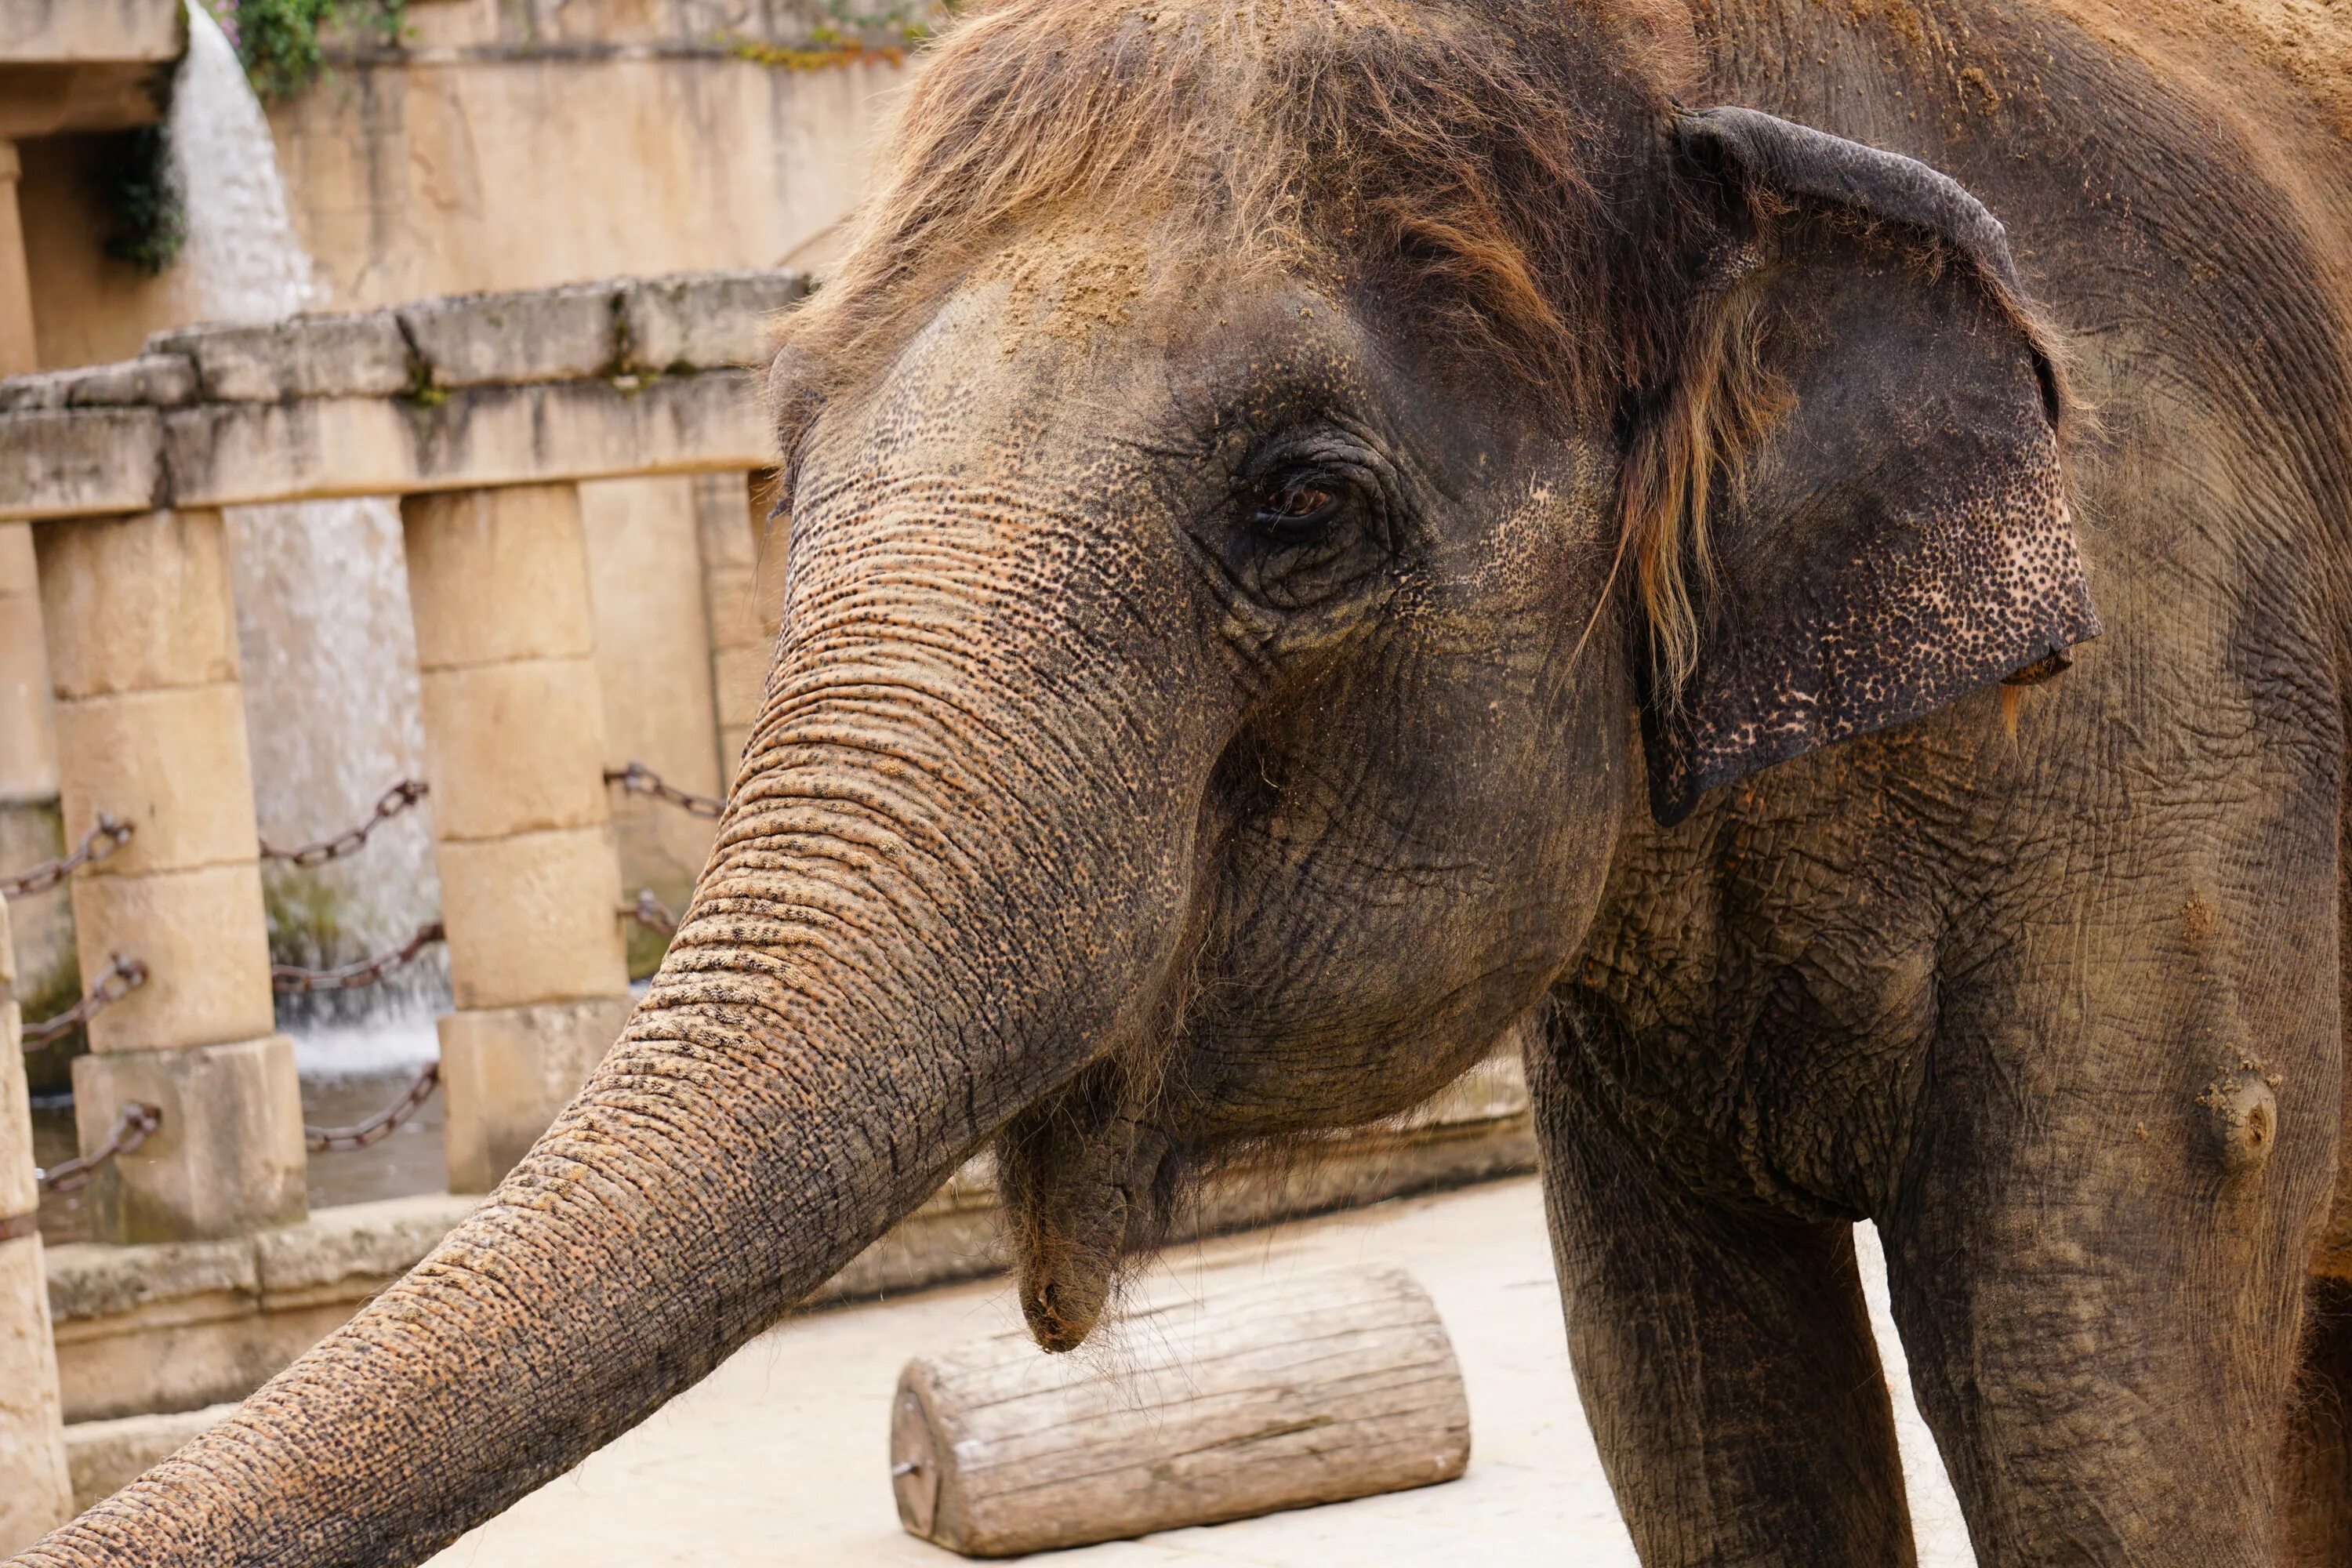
[[483, 414]]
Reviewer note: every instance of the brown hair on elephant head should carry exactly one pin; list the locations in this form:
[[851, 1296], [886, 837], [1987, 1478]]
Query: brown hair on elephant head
[[1380, 355], [1268, 482]]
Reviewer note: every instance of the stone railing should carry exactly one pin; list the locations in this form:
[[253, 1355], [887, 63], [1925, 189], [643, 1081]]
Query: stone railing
[[486, 415]]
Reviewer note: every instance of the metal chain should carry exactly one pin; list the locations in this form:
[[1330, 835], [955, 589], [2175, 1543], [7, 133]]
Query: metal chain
[[131, 1129], [382, 1124], [651, 914], [639, 779], [292, 980], [109, 835], [122, 976], [389, 805]]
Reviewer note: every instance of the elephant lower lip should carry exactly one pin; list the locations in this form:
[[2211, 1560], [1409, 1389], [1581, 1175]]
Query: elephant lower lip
[[1060, 1317]]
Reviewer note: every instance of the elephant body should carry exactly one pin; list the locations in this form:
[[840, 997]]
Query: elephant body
[[1319, 532], [2008, 980]]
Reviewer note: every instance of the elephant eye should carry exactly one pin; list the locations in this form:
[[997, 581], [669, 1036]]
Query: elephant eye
[[1296, 511]]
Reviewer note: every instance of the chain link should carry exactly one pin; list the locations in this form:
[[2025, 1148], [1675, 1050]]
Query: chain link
[[122, 976], [131, 1129], [292, 980], [109, 835], [382, 1124], [639, 779], [389, 805], [651, 914]]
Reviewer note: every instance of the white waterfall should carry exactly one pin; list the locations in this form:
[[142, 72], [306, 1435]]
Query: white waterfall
[[323, 629]]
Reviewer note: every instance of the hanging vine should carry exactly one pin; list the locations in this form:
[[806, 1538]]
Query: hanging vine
[[277, 40]]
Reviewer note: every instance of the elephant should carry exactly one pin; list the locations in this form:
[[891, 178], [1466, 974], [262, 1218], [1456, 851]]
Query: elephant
[[1319, 534]]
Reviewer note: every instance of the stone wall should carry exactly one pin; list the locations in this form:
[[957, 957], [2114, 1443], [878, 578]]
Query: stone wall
[[511, 145]]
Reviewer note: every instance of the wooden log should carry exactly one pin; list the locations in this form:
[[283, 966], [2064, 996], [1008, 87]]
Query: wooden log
[[1311, 1390]]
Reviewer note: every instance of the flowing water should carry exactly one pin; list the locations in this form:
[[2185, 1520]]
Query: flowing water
[[323, 630]]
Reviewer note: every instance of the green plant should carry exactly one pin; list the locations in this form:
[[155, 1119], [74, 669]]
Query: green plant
[[143, 199], [277, 40]]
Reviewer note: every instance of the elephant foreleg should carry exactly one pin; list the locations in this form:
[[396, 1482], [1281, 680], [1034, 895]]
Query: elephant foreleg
[[2318, 1504], [1725, 1359]]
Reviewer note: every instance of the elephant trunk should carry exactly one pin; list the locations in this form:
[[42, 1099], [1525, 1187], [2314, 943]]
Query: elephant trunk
[[928, 908]]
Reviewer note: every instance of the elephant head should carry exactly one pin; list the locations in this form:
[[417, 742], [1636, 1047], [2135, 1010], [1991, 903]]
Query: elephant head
[[1267, 485]]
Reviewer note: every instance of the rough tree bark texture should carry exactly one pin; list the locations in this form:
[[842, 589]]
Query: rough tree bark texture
[[1312, 1390]]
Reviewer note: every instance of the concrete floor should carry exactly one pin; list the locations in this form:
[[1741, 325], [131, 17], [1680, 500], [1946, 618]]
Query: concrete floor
[[780, 1455]]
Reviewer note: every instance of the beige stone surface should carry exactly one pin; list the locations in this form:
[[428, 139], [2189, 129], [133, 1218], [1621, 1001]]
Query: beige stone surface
[[20, 1194], [228, 1157], [166, 381], [532, 918], [497, 574], [77, 462], [653, 664], [215, 1348], [741, 675], [540, 334], [705, 320], [349, 355], [18, 351], [204, 938], [35, 1488], [137, 603], [508, 1072], [515, 747], [224, 454], [43, 31], [171, 763], [106, 1456], [176, 1326], [28, 747]]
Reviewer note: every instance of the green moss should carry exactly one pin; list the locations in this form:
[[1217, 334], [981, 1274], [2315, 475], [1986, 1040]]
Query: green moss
[[148, 218]]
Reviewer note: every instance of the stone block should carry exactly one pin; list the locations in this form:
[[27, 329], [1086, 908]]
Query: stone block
[[29, 753], [515, 747], [228, 1157], [236, 454], [534, 917], [348, 1253], [537, 335], [170, 763], [136, 603], [36, 1489], [496, 574], [704, 321], [180, 1280], [508, 1072], [19, 1193], [739, 677], [727, 595], [79, 462], [203, 938], [104, 1457], [360, 355], [163, 381], [728, 519]]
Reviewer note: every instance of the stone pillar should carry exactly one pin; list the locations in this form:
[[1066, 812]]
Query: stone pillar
[[150, 727], [653, 661], [738, 578], [36, 1492], [514, 743], [17, 353], [31, 830]]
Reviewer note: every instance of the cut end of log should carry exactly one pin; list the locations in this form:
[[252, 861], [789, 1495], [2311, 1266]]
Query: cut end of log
[[1317, 1389]]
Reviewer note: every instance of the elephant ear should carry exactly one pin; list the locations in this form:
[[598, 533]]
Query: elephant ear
[[1889, 530]]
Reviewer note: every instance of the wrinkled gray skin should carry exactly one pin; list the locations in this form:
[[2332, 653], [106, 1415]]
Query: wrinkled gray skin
[[1059, 748]]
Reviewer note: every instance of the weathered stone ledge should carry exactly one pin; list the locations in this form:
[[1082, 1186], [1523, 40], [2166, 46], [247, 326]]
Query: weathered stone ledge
[[629, 376], [151, 1331]]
